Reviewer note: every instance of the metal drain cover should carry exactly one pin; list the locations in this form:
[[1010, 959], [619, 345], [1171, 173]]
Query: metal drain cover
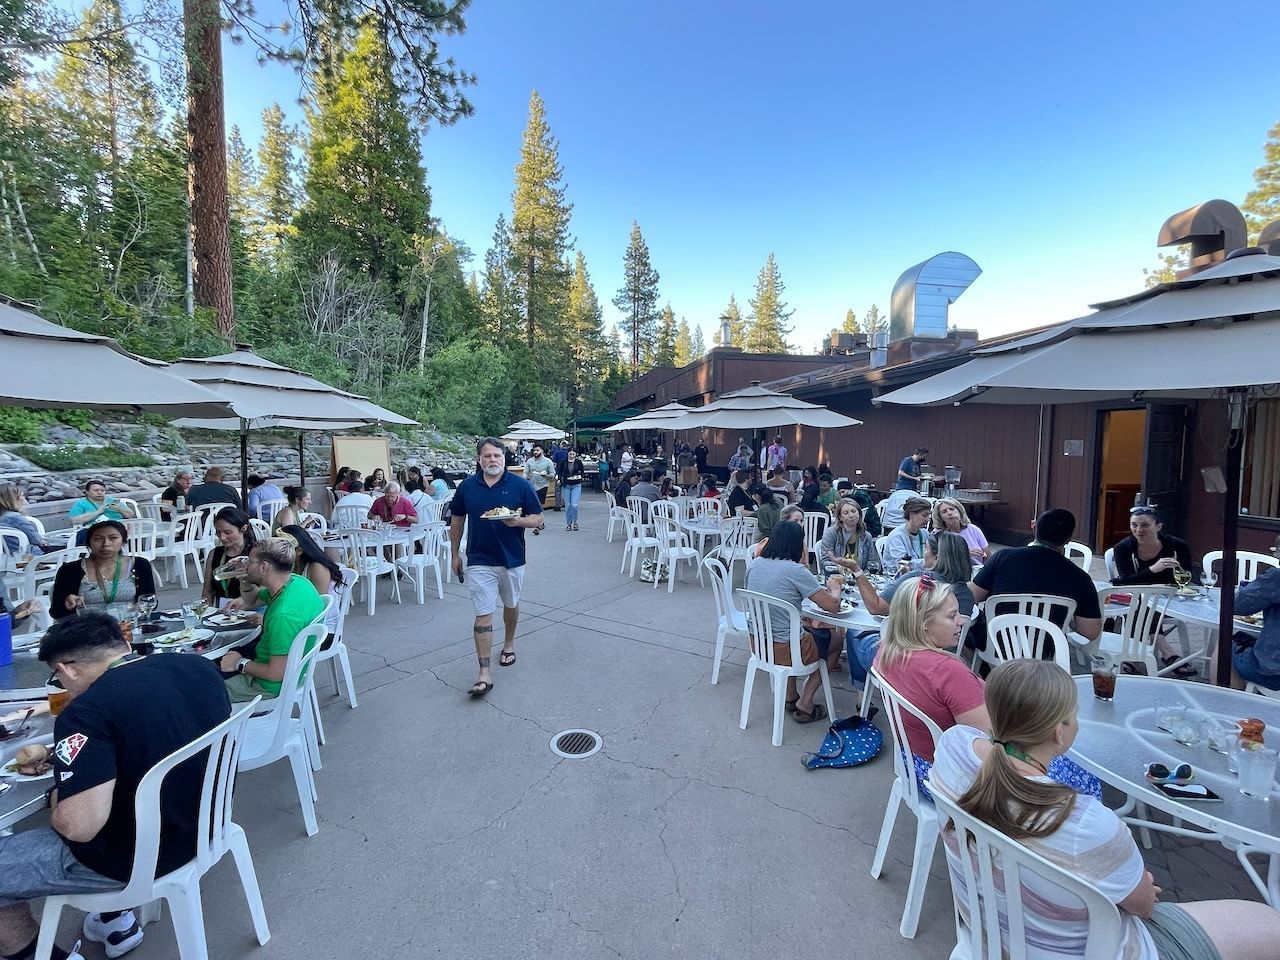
[[576, 744]]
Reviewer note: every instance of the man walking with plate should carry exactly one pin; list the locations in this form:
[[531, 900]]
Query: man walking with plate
[[497, 507]]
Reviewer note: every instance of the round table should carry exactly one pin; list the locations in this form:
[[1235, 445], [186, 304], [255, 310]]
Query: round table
[[1202, 611], [1119, 738], [859, 618]]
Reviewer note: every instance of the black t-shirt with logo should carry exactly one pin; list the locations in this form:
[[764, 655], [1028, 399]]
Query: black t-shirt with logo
[[131, 717]]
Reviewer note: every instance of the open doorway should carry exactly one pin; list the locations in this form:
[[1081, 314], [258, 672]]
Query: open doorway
[[1123, 435]]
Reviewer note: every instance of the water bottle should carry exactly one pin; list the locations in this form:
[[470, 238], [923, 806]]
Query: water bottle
[[180, 504]]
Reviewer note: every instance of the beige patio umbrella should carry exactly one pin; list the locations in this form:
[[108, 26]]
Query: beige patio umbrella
[[54, 367], [532, 430], [664, 417], [759, 407]]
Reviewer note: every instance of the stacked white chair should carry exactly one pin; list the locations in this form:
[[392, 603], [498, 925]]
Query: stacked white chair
[[730, 621], [217, 834], [284, 732], [906, 791], [758, 606]]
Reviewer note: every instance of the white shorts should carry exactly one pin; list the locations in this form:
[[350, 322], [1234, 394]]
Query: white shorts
[[488, 583]]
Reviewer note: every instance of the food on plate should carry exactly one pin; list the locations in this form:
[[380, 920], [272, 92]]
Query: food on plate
[[33, 760], [182, 636], [500, 513], [1253, 619]]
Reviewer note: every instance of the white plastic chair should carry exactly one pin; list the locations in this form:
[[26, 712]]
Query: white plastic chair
[[636, 543], [1016, 636], [1248, 565], [1039, 605], [663, 508], [431, 511], [1136, 640], [1109, 561], [704, 507], [416, 564], [337, 655], [730, 621], [737, 538], [885, 565], [186, 545], [673, 546], [815, 525], [268, 509], [364, 549], [991, 864], [1079, 554], [640, 507], [314, 522], [758, 607], [615, 516], [350, 516], [261, 529], [216, 835], [280, 734], [906, 790]]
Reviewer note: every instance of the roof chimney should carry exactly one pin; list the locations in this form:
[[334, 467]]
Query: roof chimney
[[923, 294], [1269, 238], [1213, 229]]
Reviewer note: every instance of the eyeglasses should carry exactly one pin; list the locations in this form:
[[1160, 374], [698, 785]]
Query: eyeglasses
[[1181, 774], [924, 585], [1142, 511]]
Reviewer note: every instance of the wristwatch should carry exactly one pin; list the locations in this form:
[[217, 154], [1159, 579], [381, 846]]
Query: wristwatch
[[244, 662]]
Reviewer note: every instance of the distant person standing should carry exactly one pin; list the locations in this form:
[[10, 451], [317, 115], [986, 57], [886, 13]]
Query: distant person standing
[[571, 474], [540, 470], [700, 454], [559, 454], [909, 470], [495, 551], [626, 460], [776, 455]]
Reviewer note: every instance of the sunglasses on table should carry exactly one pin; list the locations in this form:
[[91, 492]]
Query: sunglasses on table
[[1161, 773]]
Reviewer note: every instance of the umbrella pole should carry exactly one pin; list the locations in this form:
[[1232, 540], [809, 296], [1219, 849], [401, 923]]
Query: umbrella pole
[[1230, 521], [244, 462], [302, 463]]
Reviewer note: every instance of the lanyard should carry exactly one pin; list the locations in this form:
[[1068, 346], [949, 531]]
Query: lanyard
[[115, 581]]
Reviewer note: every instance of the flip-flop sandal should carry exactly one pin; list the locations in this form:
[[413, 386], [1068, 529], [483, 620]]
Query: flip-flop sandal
[[480, 688], [506, 658], [791, 705], [819, 712]]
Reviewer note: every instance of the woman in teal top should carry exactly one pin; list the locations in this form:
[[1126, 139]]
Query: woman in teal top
[[95, 505]]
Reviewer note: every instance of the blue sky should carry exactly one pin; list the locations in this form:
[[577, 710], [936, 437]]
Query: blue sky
[[1048, 142]]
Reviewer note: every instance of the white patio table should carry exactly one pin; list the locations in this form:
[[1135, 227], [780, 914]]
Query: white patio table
[[1119, 738]]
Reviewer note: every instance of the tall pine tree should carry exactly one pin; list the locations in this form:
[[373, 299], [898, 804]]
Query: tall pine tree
[[850, 324], [1261, 206], [767, 331], [737, 326], [874, 323], [637, 298], [499, 303], [277, 194], [664, 347], [684, 344], [698, 348], [591, 354]]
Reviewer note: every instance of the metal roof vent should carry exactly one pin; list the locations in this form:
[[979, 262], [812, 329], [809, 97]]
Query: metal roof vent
[[1269, 238], [923, 294], [1212, 228]]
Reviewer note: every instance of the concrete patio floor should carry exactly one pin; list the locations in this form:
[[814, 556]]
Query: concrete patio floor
[[449, 829]]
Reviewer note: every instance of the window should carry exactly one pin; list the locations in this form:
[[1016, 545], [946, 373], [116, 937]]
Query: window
[[1260, 486]]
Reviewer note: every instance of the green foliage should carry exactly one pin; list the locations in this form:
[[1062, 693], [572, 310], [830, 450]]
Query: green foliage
[[591, 353], [1167, 269], [18, 425], [697, 347], [850, 324], [737, 325], [768, 331], [683, 344], [637, 298], [1261, 206], [70, 457], [874, 322], [80, 419], [464, 388], [663, 349], [276, 192]]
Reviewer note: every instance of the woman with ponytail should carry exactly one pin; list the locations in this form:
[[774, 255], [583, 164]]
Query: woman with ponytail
[[999, 775]]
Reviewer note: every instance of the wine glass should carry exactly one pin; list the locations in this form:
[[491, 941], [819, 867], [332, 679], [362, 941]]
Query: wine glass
[[148, 603], [1181, 576]]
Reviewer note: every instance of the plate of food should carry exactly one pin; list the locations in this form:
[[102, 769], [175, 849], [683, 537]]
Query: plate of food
[[1188, 592], [1252, 619], [187, 635], [31, 763], [846, 606], [228, 620], [500, 513]]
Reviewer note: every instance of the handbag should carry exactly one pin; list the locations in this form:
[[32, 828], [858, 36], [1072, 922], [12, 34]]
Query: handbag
[[651, 570], [850, 742]]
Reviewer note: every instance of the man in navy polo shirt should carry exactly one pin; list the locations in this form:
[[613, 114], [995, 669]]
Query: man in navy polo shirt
[[495, 550]]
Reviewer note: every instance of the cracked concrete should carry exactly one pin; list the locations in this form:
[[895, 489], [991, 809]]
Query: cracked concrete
[[449, 829]]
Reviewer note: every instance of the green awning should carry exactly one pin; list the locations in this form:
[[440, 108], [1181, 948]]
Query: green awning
[[608, 418]]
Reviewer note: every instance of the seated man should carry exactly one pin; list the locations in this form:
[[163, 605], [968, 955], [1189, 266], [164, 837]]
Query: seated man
[[125, 715], [355, 497], [292, 603], [1043, 568], [262, 490], [213, 490], [1257, 660], [646, 489]]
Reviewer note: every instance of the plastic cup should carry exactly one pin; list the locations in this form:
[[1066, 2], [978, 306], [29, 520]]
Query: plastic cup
[[1190, 730], [1257, 772], [189, 618], [58, 699], [1169, 716], [1104, 677]]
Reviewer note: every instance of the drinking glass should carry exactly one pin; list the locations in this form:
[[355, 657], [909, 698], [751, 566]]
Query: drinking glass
[[1257, 772], [1190, 730], [1169, 716], [1221, 735], [148, 603], [1104, 677], [189, 618], [58, 697]]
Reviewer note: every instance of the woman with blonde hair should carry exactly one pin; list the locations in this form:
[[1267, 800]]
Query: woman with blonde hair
[[1000, 775], [916, 659], [13, 502], [950, 515]]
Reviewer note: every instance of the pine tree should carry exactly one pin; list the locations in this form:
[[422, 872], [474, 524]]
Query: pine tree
[[498, 300], [698, 349], [637, 298], [768, 331], [366, 192], [873, 323], [1261, 206], [737, 326], [850, 322], [684, 344], [242, 181], [277, 193], [591, 355], [664, 347], [540, 239]]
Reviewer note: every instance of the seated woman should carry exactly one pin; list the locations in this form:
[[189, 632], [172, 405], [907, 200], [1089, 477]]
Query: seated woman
[[847, 543], [780, 572], [738, 502], [182, 481], [440, 489], [413, 481], [906, 542], [1148, 557], [95, 505], [709, 489], [235, 539], [950, 515], [999, 773], [810, 491], [291, 514], [377, 480], [13, 501], [768, 513], [107, 575], [325, 575], [779, 483], [915, 658]]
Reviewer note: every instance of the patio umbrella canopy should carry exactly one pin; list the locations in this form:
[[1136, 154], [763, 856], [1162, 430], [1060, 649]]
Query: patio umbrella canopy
[[664, 417], [758, 407], [54, 367], [532, 430]]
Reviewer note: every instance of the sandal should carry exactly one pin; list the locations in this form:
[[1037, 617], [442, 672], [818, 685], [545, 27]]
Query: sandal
[[1184, 671], [506, 658], [819, 712], [480, 688], [791, 705]]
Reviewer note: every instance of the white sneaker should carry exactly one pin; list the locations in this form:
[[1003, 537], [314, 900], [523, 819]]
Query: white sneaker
[[75, 953], [118, 936]]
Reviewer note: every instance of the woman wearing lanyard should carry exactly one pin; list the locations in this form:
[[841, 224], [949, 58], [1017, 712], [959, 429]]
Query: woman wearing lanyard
[[106, 576], [908, 540]]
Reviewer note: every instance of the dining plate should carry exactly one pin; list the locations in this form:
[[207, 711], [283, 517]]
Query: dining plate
[[500, 513], [846, 606], [188, 635], [1252, 619], [9, 770]]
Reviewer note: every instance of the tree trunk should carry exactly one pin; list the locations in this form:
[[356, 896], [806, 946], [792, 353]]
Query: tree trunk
[[422, 341], [207, 167]]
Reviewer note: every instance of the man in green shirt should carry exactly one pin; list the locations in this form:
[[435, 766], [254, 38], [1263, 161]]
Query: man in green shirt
[[292, 604], [826, 492]]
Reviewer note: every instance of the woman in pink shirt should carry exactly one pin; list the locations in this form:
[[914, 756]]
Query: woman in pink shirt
[[392, 507]]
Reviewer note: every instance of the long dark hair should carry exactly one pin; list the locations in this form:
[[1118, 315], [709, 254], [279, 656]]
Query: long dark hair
[[240, 520], [311, 551], [786, 542]]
